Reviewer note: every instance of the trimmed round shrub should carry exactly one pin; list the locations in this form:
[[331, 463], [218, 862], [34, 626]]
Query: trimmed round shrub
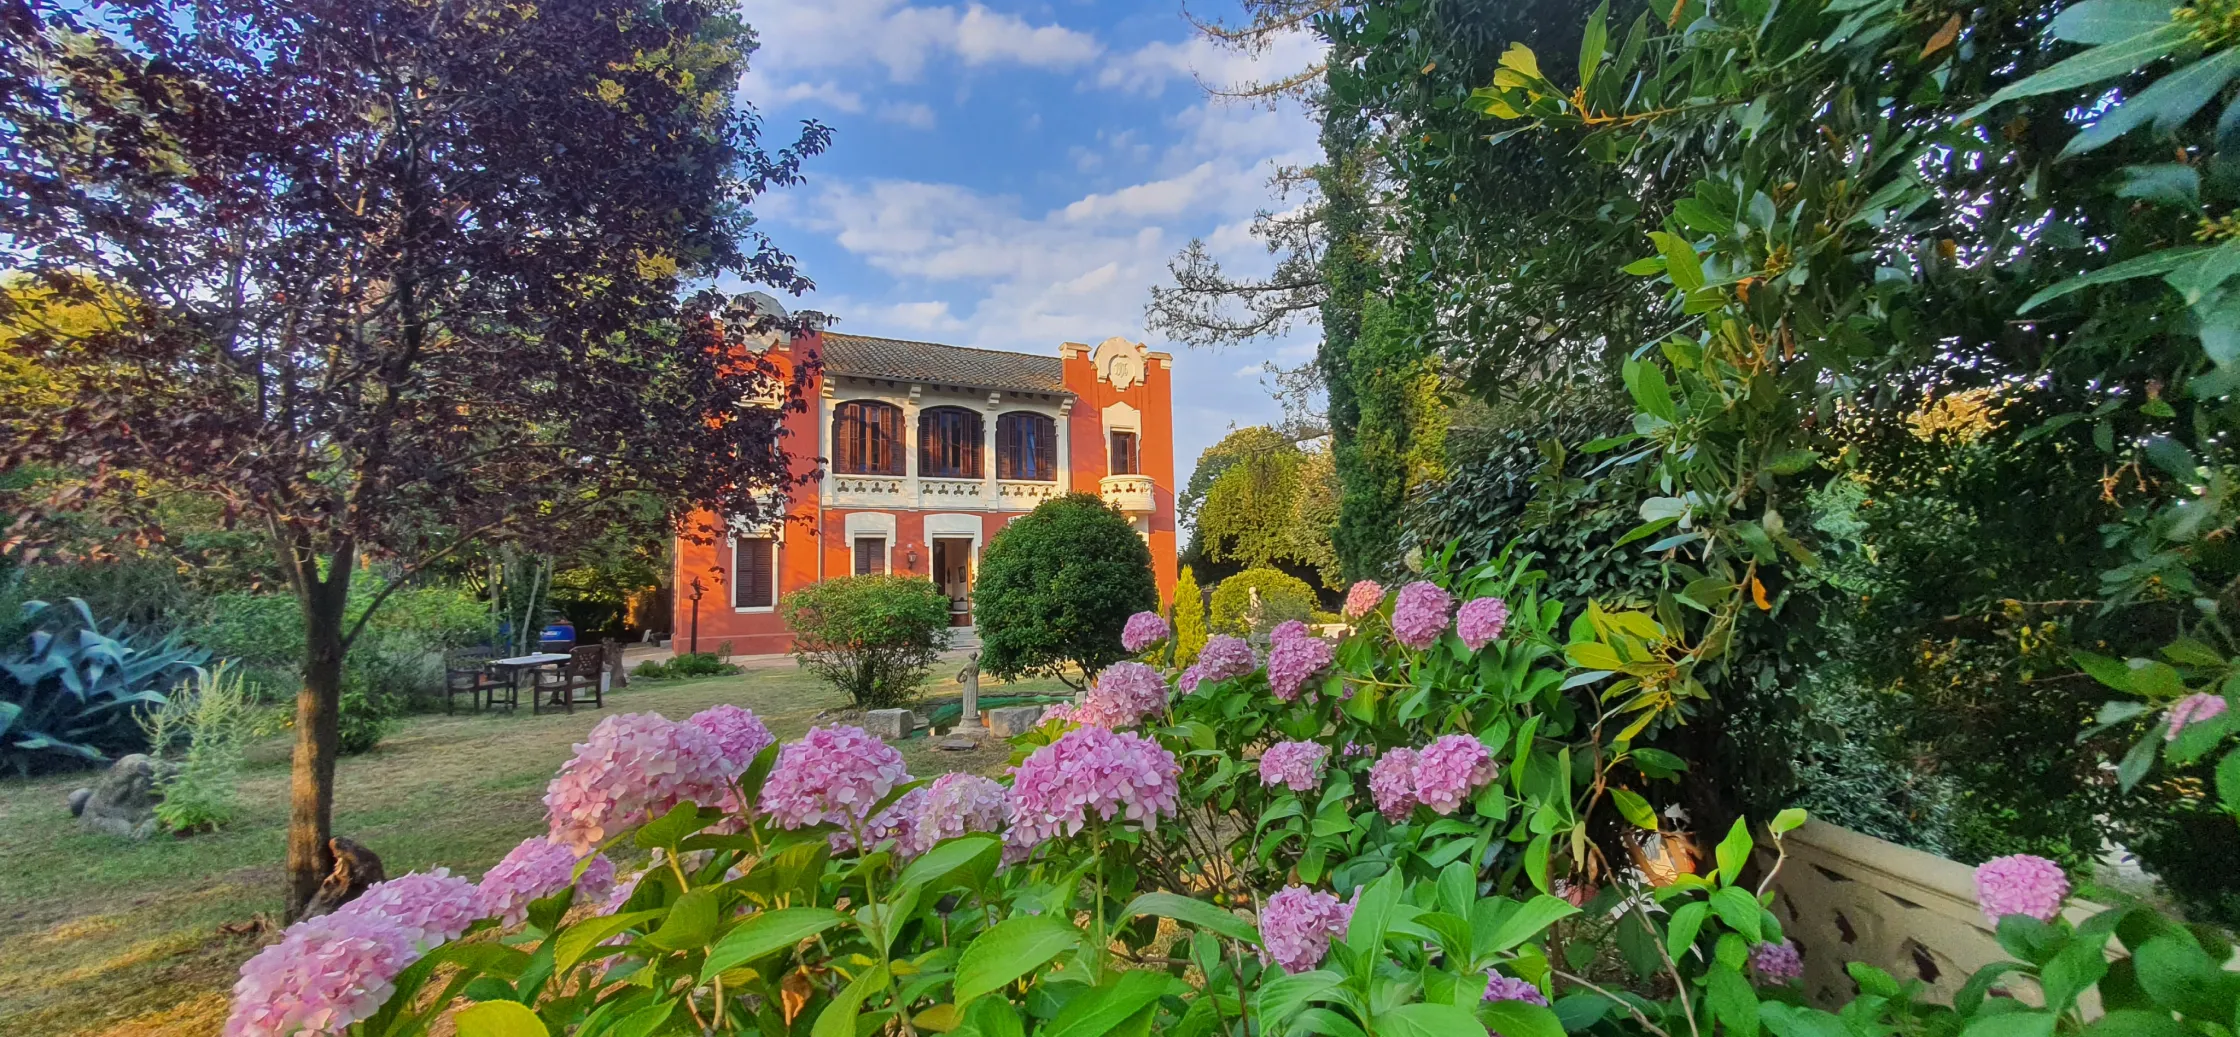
[[1057, 586], [1283, 597], [873, 637]]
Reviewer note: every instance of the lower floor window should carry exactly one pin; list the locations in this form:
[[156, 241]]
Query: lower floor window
[[754, 572], [871, 555]]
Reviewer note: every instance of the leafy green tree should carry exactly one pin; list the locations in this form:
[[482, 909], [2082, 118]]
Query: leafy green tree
[[392, 281], [1056, 588], [1282, 597], [1273, 503], [1398, 442], [1189, 618], [873, 637]]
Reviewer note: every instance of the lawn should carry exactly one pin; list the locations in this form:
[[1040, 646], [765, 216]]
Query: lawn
[[103, 936]]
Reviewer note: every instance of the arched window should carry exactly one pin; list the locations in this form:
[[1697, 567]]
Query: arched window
[[1026, 447], [867, 438], [949, 444]]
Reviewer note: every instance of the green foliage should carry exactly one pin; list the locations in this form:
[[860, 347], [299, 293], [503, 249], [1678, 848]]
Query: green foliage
[[73, 693], [395, 659], [1282, 597], [1057, 586], [689, 664], [873, 637], [202, 729], [1189, 618], [1396, 445], [1272, 503]]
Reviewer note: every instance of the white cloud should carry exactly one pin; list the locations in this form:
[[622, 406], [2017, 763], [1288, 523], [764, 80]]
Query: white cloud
[[904, 38], [1150, 68], [911, 114]]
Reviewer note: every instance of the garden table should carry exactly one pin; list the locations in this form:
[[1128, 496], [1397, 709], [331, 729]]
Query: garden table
[[512, 669]]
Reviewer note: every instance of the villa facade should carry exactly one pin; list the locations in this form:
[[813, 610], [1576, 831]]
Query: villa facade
[[916, 453]]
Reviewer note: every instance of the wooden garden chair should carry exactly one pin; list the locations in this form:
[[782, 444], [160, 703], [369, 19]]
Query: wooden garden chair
[[578, 675], [468, 673]]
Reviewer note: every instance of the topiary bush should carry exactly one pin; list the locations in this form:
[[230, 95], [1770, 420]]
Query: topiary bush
[[873, 637], [1283, 597], [1057, 586]]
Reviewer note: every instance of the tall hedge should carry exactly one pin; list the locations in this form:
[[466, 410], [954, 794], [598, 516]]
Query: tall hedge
[[1057, 586]]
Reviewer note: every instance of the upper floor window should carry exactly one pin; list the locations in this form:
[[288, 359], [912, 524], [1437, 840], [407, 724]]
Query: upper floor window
[[1026, 447], [867, 438], [949, 445], [1124, 459]]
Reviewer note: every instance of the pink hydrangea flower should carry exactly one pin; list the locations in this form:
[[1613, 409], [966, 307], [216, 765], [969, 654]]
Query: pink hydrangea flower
[[1090, 770], [1187, 683], [1124, 695], [834, 774], [429, 907], [536, 869], [325, 974], [2020, 885], [1144, 629], [1419, 614], [1297, 925], [1225, 657], [634, 767], [1392, 783], [1363, 598], [1287, 630], [2194, 709], [955, 804], [1295, 660], [1295, 765], [1353, 749], [622, 892], [1777, 962], [1450, 769], [1480, 621], [898, 822], [1059, 712], [738, 734], [1510, 988]]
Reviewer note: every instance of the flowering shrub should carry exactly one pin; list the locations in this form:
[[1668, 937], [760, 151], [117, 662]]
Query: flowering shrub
[[1144, 629], [815, 889]]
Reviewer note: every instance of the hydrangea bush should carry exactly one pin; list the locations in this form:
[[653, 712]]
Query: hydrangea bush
[[1399, 833]]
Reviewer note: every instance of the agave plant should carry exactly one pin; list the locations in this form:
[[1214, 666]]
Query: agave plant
[[74, 690]]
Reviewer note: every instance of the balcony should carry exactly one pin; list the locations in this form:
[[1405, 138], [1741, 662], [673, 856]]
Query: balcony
[[952, 493], [1132, 494]]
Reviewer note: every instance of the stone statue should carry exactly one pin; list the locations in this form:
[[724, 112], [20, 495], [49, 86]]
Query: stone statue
[[969, 677]]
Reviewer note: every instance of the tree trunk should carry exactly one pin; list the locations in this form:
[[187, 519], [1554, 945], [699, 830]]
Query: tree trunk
[[318, 716]]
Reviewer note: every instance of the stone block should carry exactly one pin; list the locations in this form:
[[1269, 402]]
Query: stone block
[[1011, 721], [890, 724]]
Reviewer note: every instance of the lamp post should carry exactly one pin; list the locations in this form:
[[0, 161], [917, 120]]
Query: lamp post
[[698, 591]]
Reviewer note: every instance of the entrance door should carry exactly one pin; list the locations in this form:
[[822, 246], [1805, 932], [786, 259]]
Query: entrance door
[[952, 568]]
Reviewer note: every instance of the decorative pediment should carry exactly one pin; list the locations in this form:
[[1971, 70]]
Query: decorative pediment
[[1120, 362]]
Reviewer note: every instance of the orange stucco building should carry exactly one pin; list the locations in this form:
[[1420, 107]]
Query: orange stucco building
[[916, 453]]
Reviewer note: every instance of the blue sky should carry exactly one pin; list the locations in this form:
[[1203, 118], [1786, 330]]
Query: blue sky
[[1015, 175]]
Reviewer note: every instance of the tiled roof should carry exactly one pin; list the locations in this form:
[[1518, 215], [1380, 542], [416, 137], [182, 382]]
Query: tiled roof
[[903, 360]]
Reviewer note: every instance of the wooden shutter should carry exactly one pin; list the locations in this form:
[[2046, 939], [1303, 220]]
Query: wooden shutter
[[870, 552], [1124, 460], [753, 572]]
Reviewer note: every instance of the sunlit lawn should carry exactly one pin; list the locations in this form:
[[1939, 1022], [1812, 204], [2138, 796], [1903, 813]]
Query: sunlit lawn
[[103, 936]]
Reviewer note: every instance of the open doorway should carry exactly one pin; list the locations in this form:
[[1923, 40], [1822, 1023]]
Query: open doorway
[[952, 569]]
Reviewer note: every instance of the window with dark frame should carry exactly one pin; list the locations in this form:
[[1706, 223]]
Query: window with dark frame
[[871, 555], [1124, 460], [1026, 447], [949, 443], [754, 572], [867, 438]]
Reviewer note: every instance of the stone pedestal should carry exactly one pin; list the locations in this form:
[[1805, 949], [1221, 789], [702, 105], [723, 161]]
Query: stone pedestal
[[1013, 720], [890, 724]]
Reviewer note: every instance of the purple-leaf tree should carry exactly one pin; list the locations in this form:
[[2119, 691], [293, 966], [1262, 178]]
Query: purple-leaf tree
[[391, 280]]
